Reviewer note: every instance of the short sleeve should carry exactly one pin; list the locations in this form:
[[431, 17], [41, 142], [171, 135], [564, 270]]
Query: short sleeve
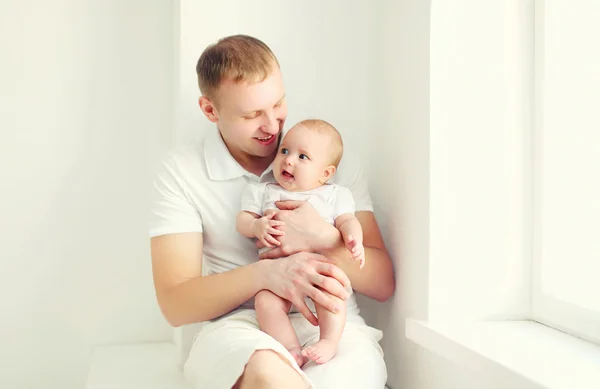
[[252, 198], [350, 175], [344, 202], [171, 211]]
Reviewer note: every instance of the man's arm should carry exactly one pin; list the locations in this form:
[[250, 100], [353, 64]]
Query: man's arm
[[352, 234], [185, 296], [305, 230], [376, 279], [182, 292]]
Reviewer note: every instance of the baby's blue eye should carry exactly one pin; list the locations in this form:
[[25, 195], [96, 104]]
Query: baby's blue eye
[[303, 156], [284, 151]]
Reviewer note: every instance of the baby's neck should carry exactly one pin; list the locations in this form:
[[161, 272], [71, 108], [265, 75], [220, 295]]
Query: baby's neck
[[319, 185]]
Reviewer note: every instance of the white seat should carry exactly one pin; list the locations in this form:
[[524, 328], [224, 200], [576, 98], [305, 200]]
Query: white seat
[[136, 366]]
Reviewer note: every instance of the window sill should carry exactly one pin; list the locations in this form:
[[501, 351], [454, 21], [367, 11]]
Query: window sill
[[514, 354]]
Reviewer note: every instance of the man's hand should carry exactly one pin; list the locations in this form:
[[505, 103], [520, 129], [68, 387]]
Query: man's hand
[[264, 229], [304, 275], [305, 230]]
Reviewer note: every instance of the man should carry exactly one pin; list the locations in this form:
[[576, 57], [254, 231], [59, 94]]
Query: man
[[204, 271]]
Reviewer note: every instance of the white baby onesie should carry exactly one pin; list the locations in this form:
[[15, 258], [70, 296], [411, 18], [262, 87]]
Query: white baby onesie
[[330, 200]]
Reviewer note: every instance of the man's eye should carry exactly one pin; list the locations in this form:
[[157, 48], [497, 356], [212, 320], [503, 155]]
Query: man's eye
[[284, 151], [304, 156], [252, 116]]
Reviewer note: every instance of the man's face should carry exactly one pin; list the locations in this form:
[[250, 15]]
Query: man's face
[[251, 116]]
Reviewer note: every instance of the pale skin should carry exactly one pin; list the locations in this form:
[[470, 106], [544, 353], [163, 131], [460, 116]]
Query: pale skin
[[185, 296], [304, 163]]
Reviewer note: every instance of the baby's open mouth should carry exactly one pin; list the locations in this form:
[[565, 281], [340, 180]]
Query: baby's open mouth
[[286, 174]]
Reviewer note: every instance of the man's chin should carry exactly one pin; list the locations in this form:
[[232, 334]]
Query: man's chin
[[264, 152]]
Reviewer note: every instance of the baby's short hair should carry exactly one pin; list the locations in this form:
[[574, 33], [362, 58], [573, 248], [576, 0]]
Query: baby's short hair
[[323, 127], [241, 58]]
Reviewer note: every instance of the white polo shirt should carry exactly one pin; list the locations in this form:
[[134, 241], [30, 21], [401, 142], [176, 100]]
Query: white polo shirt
[[198, 188]]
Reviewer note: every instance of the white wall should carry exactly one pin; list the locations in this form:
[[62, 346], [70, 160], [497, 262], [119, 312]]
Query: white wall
[[85, 108], [400, 178], [326, 51], [442, 63]]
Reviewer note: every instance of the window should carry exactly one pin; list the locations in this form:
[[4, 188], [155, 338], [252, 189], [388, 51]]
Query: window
[[566, 167]]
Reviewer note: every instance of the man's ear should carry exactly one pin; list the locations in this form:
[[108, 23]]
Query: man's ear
[[208, 108], [327, 174]]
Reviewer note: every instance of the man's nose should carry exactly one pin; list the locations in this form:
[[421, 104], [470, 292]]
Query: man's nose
[[270, 125]]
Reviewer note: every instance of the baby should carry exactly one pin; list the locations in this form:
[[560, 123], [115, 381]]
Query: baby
[[308, 157]]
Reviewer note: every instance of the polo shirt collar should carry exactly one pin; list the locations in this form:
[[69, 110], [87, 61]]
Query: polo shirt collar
[[221, 166]]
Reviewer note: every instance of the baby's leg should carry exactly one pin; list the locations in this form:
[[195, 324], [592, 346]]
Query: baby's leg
[[272, 314], [331, 326]]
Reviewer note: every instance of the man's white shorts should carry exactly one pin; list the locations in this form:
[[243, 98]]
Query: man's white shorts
[[222, 348]]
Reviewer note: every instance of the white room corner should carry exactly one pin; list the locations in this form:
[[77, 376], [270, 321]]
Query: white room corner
[[445, 102]]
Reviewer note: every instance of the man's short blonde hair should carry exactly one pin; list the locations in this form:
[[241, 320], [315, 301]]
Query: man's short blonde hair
[[323, 127], [239, 58]]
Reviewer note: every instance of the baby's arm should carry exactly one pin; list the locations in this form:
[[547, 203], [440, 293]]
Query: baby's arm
[[352, 234], [252, 225]]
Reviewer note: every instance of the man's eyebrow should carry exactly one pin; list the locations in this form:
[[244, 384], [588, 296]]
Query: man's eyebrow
[[258, 110]]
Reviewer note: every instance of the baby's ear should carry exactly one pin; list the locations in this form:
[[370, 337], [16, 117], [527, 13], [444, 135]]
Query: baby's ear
[[328, 173]]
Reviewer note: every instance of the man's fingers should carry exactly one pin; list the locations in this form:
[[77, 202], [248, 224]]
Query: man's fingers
[[289, 205], [272, 240], [331, 286], [277, 252], [323, 300], [331, 270], [303, 309]]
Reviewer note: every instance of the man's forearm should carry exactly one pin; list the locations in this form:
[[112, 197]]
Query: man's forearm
[[208, 297], [375, 279]]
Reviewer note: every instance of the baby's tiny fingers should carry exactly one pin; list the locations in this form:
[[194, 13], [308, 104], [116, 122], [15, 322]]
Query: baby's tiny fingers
[[266, 243], [274, 223], [273, 231]]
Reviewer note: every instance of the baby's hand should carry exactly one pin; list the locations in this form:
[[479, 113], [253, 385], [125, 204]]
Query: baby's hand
[[357, 250], [264, 229]]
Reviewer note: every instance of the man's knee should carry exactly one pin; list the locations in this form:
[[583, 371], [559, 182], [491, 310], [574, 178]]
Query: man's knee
[[267, 369]]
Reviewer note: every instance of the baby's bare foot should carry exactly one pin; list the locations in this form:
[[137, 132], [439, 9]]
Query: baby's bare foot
[[297, 354], [320, 352]]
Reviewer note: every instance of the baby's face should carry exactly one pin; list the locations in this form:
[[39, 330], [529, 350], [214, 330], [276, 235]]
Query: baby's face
[[302, 159]]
